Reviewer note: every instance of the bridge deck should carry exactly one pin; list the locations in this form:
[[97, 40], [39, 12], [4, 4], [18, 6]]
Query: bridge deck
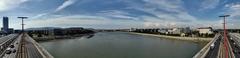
[[230, 49], [5, 42], [26, 47], [204, 51], [5, 38], [235, 44]]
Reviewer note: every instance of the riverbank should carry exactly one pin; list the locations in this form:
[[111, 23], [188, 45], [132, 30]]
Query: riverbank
[[194, 39], [46, 38]]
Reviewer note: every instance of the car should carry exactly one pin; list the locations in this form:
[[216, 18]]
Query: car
[[14, 50], [8, 51], [234, 51], [12, 46], [212, 46], [1, 47]]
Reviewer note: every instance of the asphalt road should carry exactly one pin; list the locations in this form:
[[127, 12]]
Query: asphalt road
[[15, 43], [5, 38], [236, 46], [31, 49], [213, 53], [27, 46]]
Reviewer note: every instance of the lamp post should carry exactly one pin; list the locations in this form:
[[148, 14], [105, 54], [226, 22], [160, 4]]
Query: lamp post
[[225, 34], [23, 23]]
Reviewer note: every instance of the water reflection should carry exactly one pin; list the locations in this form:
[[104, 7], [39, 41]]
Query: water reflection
[[90, 36]]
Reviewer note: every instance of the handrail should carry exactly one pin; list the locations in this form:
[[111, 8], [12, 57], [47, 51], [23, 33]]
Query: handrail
[[230, 51]]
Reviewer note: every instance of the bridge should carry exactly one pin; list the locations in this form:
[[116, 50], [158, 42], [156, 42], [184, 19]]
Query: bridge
[[217, 48], [21, 46]]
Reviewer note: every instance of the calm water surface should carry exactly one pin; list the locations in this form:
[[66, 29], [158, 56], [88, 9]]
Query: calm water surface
[[120, 45]]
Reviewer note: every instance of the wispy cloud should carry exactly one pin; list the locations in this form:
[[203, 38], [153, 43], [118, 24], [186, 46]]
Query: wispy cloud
[[39, 15], [9, 4], [209, 4], [131, 13], [66, 21], [117, 14], [170, 11], [83, 20], [65, 4], [233, 10]]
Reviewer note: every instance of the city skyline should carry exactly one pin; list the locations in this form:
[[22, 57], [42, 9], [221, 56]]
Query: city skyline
[[121, 13]]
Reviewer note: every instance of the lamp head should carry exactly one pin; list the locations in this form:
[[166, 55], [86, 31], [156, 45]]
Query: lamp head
[[23, 17], [224, 16]]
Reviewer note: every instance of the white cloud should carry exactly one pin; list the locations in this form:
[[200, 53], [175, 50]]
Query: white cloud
[[167, 11], [233, 11], [114, 12], [151, 25], [117, 14], [170, 5], [39, 15], [72, 20], [65, 4], [82, 20], [171, 13], [209, 4], [9, 4]]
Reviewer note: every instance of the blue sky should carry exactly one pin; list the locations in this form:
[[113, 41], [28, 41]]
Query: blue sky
[[105, 14]]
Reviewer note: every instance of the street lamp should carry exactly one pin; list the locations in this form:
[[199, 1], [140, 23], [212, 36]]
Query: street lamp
[[225, 34], [22, 22]]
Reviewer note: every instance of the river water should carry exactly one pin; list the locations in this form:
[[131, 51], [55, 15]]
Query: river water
[[120, 45]]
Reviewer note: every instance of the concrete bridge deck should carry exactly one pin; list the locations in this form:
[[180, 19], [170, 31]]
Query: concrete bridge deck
[[235, 39], [5, 42], [216, 48], [26, 47]]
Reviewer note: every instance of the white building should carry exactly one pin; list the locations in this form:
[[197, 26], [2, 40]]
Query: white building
[[180, 30], [205, 30], [132, 29]]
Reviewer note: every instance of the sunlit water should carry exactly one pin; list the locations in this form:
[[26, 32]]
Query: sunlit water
[[121, 45]]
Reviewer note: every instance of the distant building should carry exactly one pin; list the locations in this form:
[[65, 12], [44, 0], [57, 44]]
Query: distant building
[[73, 30], [205, 30], [162, 31], [5, 25], [10, 30], [17, 31], [179, 30], [51, 31], [132, 29], [176, 31], [187, 30]]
